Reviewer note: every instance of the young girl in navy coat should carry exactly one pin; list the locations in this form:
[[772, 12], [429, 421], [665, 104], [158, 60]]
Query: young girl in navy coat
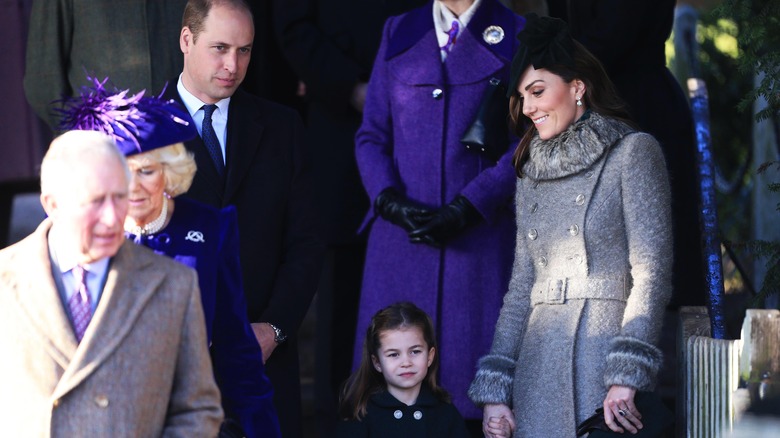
[[394, 391]]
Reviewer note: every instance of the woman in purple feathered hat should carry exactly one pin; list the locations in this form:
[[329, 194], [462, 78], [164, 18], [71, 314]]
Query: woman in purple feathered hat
[[151, 131]]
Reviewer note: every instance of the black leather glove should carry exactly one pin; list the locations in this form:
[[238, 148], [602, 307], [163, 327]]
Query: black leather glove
[[396, 209], [446, 223]]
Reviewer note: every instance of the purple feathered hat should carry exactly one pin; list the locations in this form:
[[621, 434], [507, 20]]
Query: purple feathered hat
[[137, 123]]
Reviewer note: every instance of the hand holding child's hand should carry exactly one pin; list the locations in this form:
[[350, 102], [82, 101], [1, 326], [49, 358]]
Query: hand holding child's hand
[[499, 427], [499, 421]]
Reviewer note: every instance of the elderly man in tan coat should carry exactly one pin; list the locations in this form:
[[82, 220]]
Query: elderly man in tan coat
[[99, 337]]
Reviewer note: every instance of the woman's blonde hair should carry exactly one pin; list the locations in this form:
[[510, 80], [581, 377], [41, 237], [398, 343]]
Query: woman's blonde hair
[[178, 166]]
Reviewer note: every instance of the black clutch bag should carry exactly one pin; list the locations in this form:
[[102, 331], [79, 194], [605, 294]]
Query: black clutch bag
[[657, 420], [489, 132]]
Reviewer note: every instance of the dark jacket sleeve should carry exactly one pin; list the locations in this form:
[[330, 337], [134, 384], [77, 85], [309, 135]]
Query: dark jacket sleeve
[[238, 361], [329, 73], [48, 54], [302, 251]]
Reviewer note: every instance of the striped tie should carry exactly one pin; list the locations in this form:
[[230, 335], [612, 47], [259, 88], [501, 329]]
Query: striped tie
[[79, 303]]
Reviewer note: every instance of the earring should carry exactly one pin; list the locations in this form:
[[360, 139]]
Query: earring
[[579, 101]]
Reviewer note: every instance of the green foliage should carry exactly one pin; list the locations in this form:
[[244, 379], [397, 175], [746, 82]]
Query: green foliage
[[759, 47], [731, 130]]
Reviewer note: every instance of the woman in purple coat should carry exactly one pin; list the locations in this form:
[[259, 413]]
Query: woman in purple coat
[[441, 231]]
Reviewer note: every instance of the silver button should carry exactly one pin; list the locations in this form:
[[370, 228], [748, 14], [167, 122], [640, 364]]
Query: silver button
[[398, 414], [542, 261], [589, 174], [533, 234], [417, 415], [535, 184], [580, 199], [578, 259], [534, 207], [437, 93], [574, 230], [101, 401]]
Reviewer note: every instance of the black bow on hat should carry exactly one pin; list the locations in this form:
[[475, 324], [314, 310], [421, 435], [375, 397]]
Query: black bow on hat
[[544, 41]]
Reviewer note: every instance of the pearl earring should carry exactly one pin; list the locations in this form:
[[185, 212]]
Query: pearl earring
[[579, 101]]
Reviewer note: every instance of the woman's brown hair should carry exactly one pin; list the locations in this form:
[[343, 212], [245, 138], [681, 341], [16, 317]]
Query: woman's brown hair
[[600, 96]]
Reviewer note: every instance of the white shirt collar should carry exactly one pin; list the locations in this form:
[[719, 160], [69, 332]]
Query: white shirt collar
[[193, 104], [443, 18]]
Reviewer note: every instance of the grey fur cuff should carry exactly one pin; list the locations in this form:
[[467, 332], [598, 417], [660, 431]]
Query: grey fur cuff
[[493, 382], [632, 362]]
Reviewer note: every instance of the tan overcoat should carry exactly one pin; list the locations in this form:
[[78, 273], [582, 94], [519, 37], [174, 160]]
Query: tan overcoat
[[142, 369]]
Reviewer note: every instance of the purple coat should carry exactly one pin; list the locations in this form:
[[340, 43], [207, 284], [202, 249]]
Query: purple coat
[[409, 140]]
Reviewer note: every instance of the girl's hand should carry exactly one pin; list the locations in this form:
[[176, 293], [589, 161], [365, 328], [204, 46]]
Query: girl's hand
[[620, 411], [499, 427], [498, 421]]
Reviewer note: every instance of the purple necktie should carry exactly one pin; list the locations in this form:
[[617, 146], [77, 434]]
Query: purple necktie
[[79, 303], [453, 37], [210, 139]]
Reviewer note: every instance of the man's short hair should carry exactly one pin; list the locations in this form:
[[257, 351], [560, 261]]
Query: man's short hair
[[69, 149], [196, 11]]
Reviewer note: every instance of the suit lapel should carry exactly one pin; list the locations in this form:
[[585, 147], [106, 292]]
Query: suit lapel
[[244, 131], [130, 284], [39, 299]]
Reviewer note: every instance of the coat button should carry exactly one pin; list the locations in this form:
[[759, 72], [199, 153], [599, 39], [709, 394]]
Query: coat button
[[533, 234], [398, 414], [534, 207], [436, 94], [574, 230], [580, 199], [101, 401], [578, 259], [417, 415], [542, 261], [589, 174], [56, 403]]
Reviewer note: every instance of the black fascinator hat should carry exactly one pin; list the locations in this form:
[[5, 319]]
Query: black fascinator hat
[[544, 42], [137, 123]]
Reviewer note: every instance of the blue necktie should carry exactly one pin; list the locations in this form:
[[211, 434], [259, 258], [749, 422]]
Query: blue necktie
[[210, 139]]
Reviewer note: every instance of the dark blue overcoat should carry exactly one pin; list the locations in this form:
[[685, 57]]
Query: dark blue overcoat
[[206, 239], [409, 140]]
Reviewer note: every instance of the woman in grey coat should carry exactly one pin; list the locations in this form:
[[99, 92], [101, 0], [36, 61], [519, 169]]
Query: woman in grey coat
[[581, 319]]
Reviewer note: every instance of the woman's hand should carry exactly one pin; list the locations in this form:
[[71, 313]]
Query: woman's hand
[[620, 411], [497, 421]]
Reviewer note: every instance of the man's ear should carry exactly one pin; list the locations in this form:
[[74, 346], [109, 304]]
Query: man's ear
[[49, 204], [186, 39]]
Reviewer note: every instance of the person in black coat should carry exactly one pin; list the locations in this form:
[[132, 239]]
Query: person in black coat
[[629, 40], [331, 46], [249, 154]]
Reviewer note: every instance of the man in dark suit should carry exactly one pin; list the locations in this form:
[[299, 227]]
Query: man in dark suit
[[101, 337], [249, 154]]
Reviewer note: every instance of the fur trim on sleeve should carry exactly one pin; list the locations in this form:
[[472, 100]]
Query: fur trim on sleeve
[[493, 382], [632, 362]]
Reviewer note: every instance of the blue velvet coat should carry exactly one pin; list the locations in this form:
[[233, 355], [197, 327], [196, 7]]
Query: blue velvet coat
[[409, 140], [206, 239]]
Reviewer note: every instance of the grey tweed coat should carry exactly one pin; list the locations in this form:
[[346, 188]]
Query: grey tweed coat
[[590, 281]]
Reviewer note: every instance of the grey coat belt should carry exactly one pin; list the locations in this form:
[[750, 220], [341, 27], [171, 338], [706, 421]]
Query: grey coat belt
[[558, 290]]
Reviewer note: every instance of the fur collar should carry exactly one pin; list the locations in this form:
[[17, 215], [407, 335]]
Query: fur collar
[[575, 149]]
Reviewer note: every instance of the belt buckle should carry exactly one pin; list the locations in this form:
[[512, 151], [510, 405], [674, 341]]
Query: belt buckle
[[556, 290]]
